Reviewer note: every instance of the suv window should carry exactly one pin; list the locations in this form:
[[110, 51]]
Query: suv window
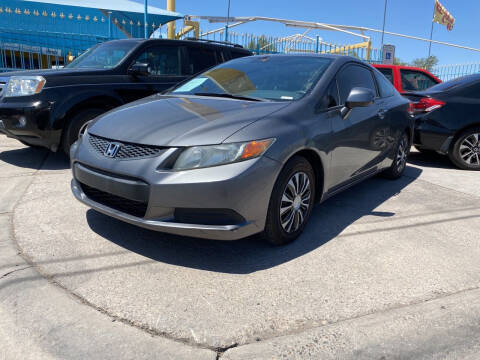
[[164, 60], [413, 80], [200, 58], [388, 73], [385, 88], [354, 76]]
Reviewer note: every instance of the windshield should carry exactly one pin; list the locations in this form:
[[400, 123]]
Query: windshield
[[261, 77], [103, 56]]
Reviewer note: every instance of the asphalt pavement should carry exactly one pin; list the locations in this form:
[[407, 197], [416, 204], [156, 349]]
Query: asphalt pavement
[[387, 269]]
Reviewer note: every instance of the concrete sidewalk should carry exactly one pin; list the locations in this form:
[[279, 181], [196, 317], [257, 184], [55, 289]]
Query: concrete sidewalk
[[386, 269]]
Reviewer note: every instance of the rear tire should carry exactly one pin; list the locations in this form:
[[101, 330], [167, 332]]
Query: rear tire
[[291, 202], [465, 152], [399, 164], [77, 125]]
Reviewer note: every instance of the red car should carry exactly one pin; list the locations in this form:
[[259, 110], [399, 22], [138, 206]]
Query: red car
[[408, 78]]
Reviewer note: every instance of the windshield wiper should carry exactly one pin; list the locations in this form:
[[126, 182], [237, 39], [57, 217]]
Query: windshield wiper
[[230, 96]]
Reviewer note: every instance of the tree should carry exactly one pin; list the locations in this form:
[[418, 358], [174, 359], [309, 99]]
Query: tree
[[397, 61], [426, 63], [262, 43]]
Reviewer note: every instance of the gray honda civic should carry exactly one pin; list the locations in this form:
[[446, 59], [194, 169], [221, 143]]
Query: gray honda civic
[[246, 147]]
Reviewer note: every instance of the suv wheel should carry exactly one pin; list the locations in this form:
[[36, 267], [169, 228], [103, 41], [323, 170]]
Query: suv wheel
[[291, 202], [399, 164], [77, 126], [465, 152]]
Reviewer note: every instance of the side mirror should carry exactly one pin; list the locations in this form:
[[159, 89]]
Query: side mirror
[[140, 69], [358, 97]]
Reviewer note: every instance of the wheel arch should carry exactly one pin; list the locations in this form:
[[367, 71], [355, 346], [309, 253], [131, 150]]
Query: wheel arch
[[315, 160]]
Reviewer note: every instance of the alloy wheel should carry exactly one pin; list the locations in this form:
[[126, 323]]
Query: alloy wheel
[[470, 149], [402, 154], [296, 201]]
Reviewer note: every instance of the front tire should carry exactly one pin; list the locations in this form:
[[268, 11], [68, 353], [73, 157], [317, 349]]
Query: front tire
[[465, 152], [399, 164], [291, 202], [77, 126]]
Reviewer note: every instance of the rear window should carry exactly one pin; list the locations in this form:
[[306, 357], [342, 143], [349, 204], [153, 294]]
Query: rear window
[[461, 81]]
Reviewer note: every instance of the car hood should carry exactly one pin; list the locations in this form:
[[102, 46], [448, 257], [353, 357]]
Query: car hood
[[180, 120], [49, 73]]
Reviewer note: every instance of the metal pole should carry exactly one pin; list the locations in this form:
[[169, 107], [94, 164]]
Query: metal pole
[[228, 20], [384, 17], [317, 43], [145, 19], [109, 25], [431, 30], [171, 24]]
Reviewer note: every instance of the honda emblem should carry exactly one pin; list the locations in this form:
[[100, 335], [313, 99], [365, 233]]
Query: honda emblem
[[112, 150]]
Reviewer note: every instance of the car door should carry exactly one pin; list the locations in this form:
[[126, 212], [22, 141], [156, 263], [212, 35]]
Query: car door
[[355, 150], [165, 62]]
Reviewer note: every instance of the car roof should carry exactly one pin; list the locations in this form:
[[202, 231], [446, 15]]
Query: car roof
[[406, 67], [190, 42]]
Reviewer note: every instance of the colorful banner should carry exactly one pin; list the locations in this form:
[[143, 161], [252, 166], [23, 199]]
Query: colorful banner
[[442, 16]]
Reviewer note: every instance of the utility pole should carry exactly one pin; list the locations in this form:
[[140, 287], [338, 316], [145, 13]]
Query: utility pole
[[145, 19], [431, 33], [228, 20], [384, 17]]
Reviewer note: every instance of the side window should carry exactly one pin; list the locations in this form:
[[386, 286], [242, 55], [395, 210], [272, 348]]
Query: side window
[[385, 88], [236, 54], [388, 73], [200, 58], [164, 60], [354, 76], [413, 80], [330, 99]]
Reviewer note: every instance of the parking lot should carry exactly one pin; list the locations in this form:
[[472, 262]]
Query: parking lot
[[385, 268]]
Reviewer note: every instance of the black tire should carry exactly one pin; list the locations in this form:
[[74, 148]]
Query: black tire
[[274, 232], [76, 124], [426, 151], [465, 144], [402, 149]]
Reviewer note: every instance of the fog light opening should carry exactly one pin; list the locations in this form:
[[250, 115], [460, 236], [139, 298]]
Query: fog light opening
[[22, 121]]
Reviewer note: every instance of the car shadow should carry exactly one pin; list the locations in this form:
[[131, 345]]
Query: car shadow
[[35, 159], [430, 160], [253, 254]]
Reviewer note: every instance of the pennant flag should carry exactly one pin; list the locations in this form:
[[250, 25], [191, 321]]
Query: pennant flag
[[442, 16]]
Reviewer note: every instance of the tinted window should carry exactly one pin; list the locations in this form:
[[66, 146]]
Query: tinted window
[[237, 54], [354, 76], [200, 58], [413, 80], [330, 99], [270, 77], [163, 60], [388, 73], [385, 87]]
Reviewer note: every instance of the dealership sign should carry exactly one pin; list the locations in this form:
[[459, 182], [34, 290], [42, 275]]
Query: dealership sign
[[442, 16]]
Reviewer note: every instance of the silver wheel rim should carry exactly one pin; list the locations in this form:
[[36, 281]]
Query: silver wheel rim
[[296, 199], [470, 149], [83, 128], [402, 154]]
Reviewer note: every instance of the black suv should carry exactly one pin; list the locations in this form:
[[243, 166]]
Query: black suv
[[50, 108]]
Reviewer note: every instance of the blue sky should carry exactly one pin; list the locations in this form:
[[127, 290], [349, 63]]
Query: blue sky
[[412, 17]]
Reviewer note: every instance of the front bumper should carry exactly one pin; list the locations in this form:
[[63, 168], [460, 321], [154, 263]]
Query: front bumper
[[242, 189], [29, 122]]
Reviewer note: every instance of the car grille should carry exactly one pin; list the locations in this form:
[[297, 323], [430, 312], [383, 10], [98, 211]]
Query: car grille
[[131, 207], [126, 151]]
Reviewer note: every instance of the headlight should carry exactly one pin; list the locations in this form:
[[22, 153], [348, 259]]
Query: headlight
[[213, 155], [24, 85]]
